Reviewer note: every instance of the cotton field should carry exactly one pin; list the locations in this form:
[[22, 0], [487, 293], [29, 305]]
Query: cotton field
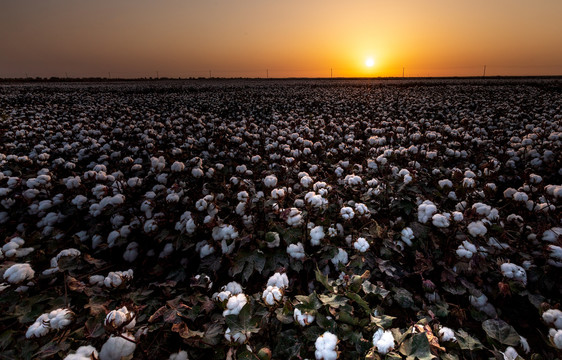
[[281, 219]]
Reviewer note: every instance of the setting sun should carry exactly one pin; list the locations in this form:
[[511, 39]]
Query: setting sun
[[370, 62]]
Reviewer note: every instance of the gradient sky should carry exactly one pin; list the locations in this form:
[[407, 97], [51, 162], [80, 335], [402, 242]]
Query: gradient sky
[[244, 38]]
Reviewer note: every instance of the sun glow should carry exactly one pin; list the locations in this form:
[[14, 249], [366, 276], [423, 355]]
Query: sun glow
[[370, 62]]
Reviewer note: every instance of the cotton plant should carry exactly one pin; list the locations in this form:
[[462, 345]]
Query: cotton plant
[[119, 320], [326, 347], [383, 341], [114, 279], [55, 320]]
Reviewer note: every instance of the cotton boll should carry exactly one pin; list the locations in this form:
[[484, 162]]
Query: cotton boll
[[447, 334], [553, 317], [440, 220], [426, 211], [466, 249], [120, 319], [556, 337], [60, 318], [235, 337], [524, 344], [296, 251], [116, 347], [340, 257], [555, 255], [167, 251], [270, 181], [316, 235], [458, 216], [326, 347], [83, 353], [383, 341], [510, 353], [181, 355], [476, 229], [272, 295], [18, 273], [347, 213], [272, 239], [303, 319], [361, 245], [39, 328], [131, 252], [235, 304], [362, 210], [294, 217], [514, 272], [407, 235], [278, 280], [552, 234]]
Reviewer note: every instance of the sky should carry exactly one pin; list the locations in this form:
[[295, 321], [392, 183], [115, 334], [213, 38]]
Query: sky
[[291, 38]]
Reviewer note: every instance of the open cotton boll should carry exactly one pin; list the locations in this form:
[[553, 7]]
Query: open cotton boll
[[116, 347], [83, 353], [181, 355], [340, 257], [524, 344], [60, 318], [39, 328], [447, 334], [552, 234], [279, 280], [326, 347], [466, 249], [556, 337], [407, 235], [272, 295], [131, 252], [303, 319], [272, 239], [316, 235], [120, 318], [514, 272], [236, 337], [477, 228], [347, 213], [510, 353], [520, 196], [294, 217], [361, 245], [270, 181], [362, 210], [296, 251], [553, 317], [555, 255], [445, 183], [440, 220], [383, 341], [18, 273], [426, 211], [235, 304]]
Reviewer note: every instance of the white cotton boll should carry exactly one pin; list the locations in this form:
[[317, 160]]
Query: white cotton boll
[[383, 341], [96, 280], [206, 250], [466, 249], [201, 205], [303, 319], [272, 295], [18, 273], [120, 318], [510, 354], [468, 183], [278, 280], [316, 235], [296, 251], [476, 229], [272, 239], [181, 355], [294, 218], [514, 272], [552, 234], [278, 193], [556, 337], [177, 166], [167, 251], [326, 347], [556, 255], [197, 172], [447, 334], [426, 211], [458, 216], [347, 213], [233, 287], [524, 344], [361, 245], [150, 226], [39, 328], [270, 181], [508, 193], [240, 208], [236, 337], [60, 318], [520, 196], [352, 180], [452, 195], [340, 257], [306, 181], [235, 304], [407, 235], [440, 220], [445, 183], [116, 348], [481, 209], [553, 317], [362, 209], [83, 353]]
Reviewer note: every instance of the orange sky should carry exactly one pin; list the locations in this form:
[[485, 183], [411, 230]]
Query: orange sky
[[243, 38]]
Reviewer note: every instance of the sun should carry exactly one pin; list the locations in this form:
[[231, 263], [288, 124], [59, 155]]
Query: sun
[[370, 62]]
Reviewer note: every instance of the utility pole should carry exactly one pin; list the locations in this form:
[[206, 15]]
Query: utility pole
[[484, 71]]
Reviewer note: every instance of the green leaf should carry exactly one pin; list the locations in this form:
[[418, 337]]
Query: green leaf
[[213, 334], [369, 288], [308, 303], [323, 279], [243, 322], [501, 331], [359, 301], [416, 347], [287, 346], [403, 297], [333, 300], [467, 342], [383, 321]]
